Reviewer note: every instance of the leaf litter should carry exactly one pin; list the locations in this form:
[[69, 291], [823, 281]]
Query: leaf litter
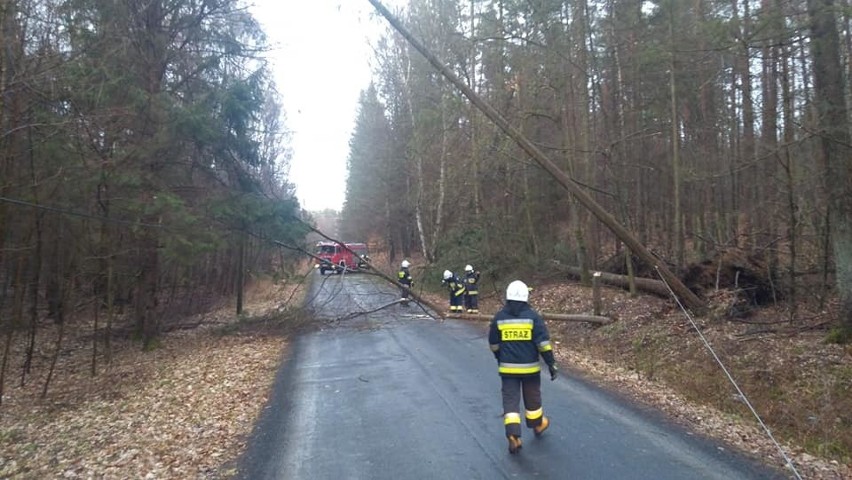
[[185, 410]]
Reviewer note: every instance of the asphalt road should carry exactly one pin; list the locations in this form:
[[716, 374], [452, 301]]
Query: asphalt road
[[395, 394]]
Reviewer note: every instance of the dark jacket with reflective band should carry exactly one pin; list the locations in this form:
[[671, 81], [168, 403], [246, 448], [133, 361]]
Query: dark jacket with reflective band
[[517, 337], [471, 279], [404, 277], [455, 285]]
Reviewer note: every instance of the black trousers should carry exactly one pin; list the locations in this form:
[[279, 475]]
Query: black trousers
[[513, 387], [456, 302], [471, 301]]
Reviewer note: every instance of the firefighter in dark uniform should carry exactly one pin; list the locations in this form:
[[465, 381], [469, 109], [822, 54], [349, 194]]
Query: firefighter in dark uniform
[[471, 295], [456, 289], [404, 280], [518, 336]]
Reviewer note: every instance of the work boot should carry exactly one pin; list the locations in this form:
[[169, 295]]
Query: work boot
[[539, 429], [514, 443]]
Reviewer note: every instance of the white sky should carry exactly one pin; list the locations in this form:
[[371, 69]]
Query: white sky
[[321, 60]]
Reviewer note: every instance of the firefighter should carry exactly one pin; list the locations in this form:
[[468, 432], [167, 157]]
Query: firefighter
[[471, 295], [456, 289], [404, 280], [518, 336]]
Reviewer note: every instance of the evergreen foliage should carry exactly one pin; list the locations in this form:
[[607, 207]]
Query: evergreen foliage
[[151, 132]]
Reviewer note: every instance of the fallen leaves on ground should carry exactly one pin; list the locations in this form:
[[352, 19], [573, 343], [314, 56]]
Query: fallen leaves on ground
[[653, 354], [181, 411], [185, 410]]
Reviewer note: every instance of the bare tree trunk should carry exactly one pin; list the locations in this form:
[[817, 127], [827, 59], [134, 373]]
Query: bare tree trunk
[[835, 148], [789, 166], [55, 358], [677, 215], [35, 281], [621, 138], [35, 278], [442, 175], [533, 236], [14, 319], [96, 313], [474, 147], [747, 151], [8, 12], [241, 280], [525, 182], [577, 131], [846, 10], [425, 246], [146, 292], [65, 300], [110, 310], [391, 244], [7, 345], [770, 155], [645, 284], [7, 348]]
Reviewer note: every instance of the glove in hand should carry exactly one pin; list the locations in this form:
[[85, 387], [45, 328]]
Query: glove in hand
[[554, 372]]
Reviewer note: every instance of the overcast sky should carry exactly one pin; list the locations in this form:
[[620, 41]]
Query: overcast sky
[[321, 59]]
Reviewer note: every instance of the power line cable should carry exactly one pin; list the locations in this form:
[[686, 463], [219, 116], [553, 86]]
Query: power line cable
[[787, 460], [73, 213]]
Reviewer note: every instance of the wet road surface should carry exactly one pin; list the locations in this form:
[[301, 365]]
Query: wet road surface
[[396, 394]]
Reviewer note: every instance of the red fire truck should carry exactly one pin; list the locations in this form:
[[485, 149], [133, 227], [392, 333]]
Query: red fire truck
[[334, 257]]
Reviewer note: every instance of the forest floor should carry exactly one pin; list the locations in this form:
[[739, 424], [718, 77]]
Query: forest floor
[[185, 409], [182, 410]]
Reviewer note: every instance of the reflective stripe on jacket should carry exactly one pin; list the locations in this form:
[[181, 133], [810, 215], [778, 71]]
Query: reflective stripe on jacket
[[471, 279], [518, 336], [404, 277], [455, 286]]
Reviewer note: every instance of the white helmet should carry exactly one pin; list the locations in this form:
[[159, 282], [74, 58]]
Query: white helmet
[[405, 264], [517, 291], [468, 268], [448, 274]]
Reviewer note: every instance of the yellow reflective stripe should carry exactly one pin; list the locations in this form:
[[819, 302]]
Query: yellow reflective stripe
[[495, 347], [514, 326], [511, 417], [534, 414], [519, 369], [515, 323], [473, 292], [545, 346]]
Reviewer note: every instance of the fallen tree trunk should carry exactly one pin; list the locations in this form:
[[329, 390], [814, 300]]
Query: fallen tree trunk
[[645, 284], [559, 317]]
